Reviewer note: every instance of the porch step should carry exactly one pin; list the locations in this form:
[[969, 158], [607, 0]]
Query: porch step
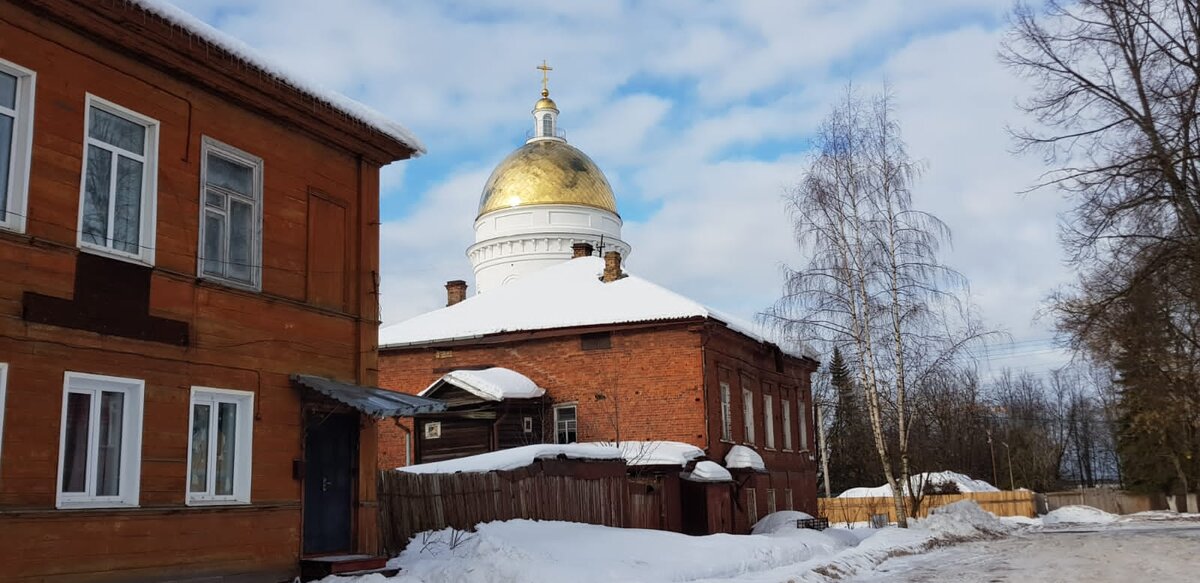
[[314, 568]]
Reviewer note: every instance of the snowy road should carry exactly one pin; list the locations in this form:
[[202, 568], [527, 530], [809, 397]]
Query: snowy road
[[1141, 551]]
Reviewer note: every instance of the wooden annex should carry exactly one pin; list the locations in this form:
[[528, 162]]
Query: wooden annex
[[151, 427]]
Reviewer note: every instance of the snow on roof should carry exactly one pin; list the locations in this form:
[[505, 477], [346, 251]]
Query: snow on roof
[[252, 57], [965, 484], [492, 384], [740, 456], [561, 296], [708, 471], [634, 453]]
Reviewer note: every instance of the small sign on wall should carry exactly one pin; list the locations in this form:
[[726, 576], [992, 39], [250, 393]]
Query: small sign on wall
[[433, 429], [528, 424]]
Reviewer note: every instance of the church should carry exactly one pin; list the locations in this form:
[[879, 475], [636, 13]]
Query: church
[[581, 350]]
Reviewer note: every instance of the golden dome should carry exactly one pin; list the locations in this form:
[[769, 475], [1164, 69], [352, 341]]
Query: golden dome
[[547, 172], [545, 103]]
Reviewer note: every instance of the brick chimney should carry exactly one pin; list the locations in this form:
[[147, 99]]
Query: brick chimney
[[581, 250], [612, 267], [456, 291]]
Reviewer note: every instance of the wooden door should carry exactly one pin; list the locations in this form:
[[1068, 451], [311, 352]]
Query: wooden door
[[330, 455]]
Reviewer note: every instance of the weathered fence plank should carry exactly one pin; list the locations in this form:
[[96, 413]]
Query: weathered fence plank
[[843, 510]]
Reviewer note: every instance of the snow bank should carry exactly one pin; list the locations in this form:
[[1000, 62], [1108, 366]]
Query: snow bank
[[965, 484], [740, 456], [962, 521], [494, 384], [784, 520], [708, 471], [634, 453], [1078, 515], [253, 58]]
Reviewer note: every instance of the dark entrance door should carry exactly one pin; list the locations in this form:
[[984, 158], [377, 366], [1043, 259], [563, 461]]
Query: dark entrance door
[[330, 460]]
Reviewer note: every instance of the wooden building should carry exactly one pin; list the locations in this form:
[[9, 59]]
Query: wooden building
[[188, 303], [485, 410]]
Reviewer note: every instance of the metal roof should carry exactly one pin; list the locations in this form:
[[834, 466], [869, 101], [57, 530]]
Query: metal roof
[[373, 401]]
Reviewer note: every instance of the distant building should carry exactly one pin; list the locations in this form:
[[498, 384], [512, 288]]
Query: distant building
[[619, 357], [188, 250]]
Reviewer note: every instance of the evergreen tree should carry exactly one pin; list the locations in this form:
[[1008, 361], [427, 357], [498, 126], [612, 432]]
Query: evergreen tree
[[850, 447]]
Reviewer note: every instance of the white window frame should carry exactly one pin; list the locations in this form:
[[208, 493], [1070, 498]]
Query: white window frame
[[149, 160], [22, 147], [785, 407], [557, 408], [243, 463], [769, 421], [726, 413], [208, 146], [803, 411], [131, 440], [431, 430], [748, 416], [3, 394]]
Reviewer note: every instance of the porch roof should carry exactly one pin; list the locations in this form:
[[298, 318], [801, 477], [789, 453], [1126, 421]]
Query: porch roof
[[373, 401]]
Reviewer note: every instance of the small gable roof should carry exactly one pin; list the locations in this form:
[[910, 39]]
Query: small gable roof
[[492, 384]]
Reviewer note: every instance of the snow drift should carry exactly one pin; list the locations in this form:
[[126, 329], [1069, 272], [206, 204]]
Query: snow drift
[[1078, 515], [964, 482]]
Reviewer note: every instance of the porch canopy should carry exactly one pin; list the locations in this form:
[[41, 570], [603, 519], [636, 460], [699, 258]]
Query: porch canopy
[[373, 401]]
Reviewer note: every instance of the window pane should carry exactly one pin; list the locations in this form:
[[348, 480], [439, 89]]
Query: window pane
[[228, 174], [6, 149], [215, 200], [75, 442], [117, 131], [8, 91], [127, 222], [95, 196], [108, 461], [226, 447], [241, 224], [214, 243], [199, 470]]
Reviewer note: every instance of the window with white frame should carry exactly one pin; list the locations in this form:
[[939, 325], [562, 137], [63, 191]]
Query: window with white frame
[[565, 424], [803, 412], [117, 197], [787, 499], [16, 143], [751, 505], [726, 414], [547, 126], [769, 420], [3, 393], [785, 407], [219, 456], [230, 214], [100, 447], [771, 501], [748, 415]]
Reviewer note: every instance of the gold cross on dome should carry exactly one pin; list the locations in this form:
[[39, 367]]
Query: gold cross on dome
[[545, 69]]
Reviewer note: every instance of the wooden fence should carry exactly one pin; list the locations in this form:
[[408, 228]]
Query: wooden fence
[[593, 492], [1106, 499], [843, 510]]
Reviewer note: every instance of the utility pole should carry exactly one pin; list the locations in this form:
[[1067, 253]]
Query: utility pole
[[1008, 451], [992, 449]]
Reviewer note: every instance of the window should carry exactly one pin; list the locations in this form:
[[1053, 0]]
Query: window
[[787, 499], [3, 392], [547, 125], [748, 415], [751, 506], [769, 420], [803, 425], [527, 424], [770, 501], [16, 143], [231, 215], [222, 429], [100, 447], [726, 414], [118, 190], [595, 341], [565, 424], [432, 429], [785, 407]]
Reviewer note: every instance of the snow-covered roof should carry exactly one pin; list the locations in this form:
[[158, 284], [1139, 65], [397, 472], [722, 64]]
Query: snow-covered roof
[[353, 109], [708, 471], [492, 384], [562, 296], [741, 457], [634, 453]]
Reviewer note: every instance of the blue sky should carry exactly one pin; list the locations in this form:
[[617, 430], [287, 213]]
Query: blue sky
[[699, 114]]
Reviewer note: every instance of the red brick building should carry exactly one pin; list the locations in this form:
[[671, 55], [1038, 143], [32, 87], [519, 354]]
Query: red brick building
[[623, 359], [181, 232]]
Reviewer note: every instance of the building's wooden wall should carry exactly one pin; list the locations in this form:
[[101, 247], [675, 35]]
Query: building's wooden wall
[[306, 319]]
